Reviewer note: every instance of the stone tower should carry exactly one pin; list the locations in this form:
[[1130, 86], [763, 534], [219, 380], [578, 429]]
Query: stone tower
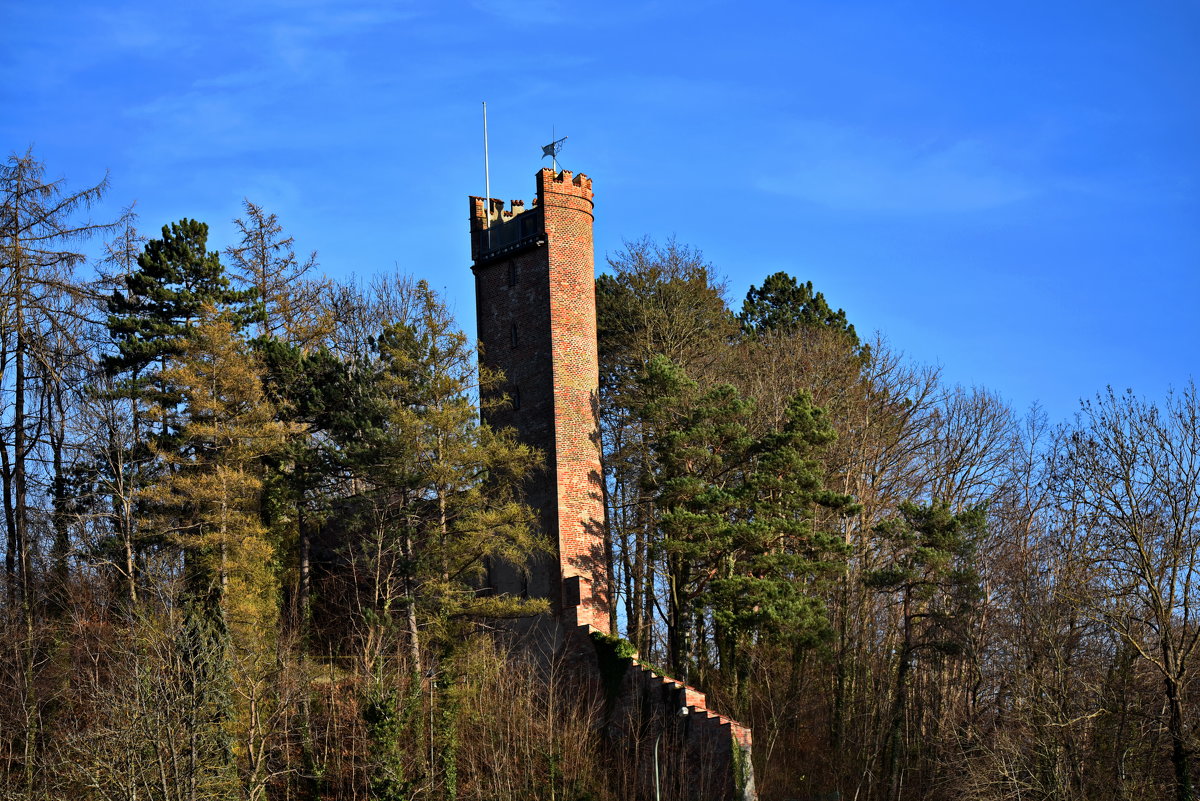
[[536, 310]]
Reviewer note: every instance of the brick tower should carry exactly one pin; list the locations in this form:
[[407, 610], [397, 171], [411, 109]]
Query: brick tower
[[536, 310]]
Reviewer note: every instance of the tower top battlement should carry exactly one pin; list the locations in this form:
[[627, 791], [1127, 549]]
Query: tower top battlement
[[562, 202], [563, 182], [548, 182]]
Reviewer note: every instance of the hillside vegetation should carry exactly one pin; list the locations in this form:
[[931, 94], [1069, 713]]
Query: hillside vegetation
[[247, 511]]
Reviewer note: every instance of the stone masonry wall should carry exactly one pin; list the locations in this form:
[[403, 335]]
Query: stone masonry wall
[[705, 756]]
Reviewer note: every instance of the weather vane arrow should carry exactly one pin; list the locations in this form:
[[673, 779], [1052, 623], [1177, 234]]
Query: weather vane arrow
[[552, 150]]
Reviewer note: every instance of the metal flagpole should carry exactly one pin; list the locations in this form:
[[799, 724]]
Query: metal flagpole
[[487, 182]]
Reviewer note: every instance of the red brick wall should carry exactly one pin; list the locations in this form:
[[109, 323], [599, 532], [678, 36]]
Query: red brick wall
[[548, 292]]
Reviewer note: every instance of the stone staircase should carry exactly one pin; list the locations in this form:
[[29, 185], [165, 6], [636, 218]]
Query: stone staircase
[[684, 695], [717, 744]]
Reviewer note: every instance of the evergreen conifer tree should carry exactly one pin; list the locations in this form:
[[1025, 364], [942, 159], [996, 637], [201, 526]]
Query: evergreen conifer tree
[[442, 490], [741, 521], [784, 304], [176, 280]]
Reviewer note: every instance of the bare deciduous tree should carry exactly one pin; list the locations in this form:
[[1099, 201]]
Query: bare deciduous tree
[[1130, 471]]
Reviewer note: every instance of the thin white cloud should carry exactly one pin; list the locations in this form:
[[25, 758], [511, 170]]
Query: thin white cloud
[[281, 57], [526, 12], [845, 169]]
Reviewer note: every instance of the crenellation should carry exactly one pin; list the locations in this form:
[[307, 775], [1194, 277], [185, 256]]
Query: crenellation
[[497, 212]]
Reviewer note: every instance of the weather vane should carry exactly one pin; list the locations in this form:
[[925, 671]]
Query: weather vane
[[553, 149]]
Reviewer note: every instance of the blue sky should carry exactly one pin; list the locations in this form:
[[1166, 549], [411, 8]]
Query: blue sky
[[1009, 190]]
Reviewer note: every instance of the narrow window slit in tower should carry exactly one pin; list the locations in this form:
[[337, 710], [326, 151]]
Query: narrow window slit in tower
[[516, 398], [512, 273], [515, 340]]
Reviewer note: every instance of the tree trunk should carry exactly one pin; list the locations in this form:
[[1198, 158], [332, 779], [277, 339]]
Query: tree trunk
[[20, 448], [10, 525], [1180, 755], [837, 715], [305, 578], [895, 737], [62, 543], [410, 604], [679, 623], [610, 566]]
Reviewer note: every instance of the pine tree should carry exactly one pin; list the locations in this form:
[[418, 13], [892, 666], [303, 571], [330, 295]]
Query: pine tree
[[176, 284], [700, 444], [784, 552], [784, 304], [741, 521], [176, 280]]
